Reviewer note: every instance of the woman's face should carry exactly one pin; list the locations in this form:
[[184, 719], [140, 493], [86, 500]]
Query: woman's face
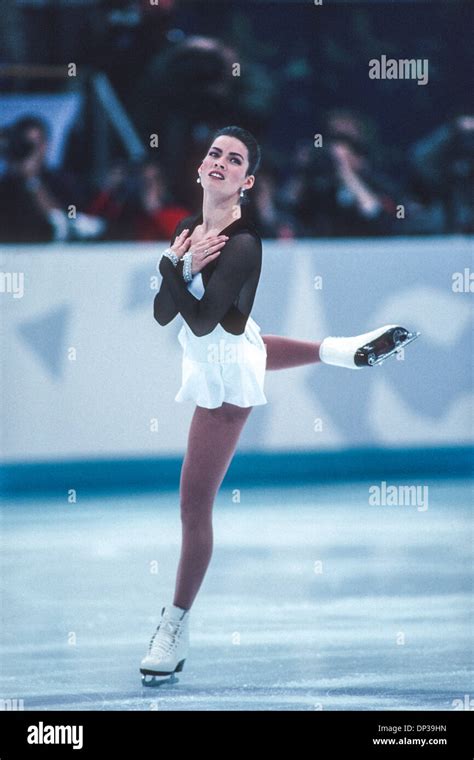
[[227, 156]]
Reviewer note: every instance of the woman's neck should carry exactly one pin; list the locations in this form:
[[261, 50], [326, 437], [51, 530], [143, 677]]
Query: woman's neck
[[218, 217]]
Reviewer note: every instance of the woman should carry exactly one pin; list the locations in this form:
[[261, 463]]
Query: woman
[[210, 276]]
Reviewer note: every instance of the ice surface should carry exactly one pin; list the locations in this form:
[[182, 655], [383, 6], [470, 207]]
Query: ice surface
[[313, 600]]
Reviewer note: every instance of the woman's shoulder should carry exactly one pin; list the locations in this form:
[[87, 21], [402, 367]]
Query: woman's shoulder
[[244, 239]]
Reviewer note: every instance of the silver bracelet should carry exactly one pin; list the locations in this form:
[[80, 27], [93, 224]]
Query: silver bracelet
[[187, 266], [171, 256]]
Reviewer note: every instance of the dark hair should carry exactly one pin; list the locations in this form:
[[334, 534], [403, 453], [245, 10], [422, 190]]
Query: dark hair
[[251, 144]]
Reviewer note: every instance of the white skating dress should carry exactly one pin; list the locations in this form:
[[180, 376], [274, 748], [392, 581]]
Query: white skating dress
[[221, 366]]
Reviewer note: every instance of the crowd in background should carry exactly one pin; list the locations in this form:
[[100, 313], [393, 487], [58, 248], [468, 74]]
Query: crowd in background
[[331, 188], [171, 75]]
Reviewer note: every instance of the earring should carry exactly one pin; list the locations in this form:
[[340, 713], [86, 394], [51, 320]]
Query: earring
[[242, 193], [198, 179]]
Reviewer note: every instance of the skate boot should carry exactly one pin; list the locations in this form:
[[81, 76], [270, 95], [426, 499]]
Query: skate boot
[[366, 350], [168, 646]]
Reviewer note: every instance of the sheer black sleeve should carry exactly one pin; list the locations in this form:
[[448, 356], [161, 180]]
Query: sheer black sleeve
[[164, 305], [238, 267]]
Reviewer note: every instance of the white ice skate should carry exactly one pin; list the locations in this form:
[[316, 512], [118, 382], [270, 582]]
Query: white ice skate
[[168, 646], [366, 350]]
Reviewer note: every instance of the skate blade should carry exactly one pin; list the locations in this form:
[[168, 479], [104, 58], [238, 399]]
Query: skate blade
[[154, 681], [149, 678], [409, 339], [387, 344]]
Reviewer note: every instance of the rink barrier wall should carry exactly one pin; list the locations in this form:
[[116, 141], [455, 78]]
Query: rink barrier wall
[[89, 378], [251, 468]]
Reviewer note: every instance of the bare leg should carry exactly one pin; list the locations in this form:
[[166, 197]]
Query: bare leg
[[289, 352], [212, 440]]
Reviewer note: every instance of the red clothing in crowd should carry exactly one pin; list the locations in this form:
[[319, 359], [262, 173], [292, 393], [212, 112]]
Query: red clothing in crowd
[[140, 224], [159, 224]]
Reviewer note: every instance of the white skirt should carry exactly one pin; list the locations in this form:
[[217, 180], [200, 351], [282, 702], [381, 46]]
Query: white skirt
[[223, 367]]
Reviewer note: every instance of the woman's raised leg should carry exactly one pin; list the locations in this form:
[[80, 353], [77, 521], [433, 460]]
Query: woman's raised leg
[[212, 440], [283, 353]]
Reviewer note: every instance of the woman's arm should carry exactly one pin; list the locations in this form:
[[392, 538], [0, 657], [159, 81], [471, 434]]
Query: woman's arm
[[164, 305], [239, 260]]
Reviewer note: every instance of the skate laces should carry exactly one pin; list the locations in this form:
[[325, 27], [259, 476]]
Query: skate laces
[[166, 637]]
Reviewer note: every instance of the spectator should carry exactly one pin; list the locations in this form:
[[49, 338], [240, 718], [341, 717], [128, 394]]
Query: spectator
[[136, 205], [443, 175], [152, 215], [109, 202], [336, 190], [33, 198], [272, 221]]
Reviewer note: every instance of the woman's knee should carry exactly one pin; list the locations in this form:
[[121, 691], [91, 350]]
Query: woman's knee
[[196, 494], [195, 514]]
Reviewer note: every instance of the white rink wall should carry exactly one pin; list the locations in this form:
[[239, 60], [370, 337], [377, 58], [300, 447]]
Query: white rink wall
[[86, 371]]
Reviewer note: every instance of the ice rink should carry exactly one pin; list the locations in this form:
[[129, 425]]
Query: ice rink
[[314, 600]]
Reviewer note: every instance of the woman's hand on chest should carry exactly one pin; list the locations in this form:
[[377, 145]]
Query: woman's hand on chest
[[204, 250]]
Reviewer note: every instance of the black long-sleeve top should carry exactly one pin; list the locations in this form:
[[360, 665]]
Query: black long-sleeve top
[[230, 281]]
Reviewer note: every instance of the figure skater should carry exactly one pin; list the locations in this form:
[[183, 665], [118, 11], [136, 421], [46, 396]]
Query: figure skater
[[210, 276]]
